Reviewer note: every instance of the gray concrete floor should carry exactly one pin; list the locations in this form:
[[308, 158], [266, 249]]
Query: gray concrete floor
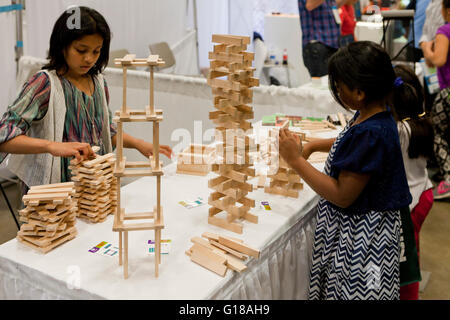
[[434, 244]]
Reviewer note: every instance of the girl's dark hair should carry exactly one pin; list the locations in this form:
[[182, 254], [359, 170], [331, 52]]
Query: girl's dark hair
[[63, 34], [407, 104], [362, 65], [446, 4]]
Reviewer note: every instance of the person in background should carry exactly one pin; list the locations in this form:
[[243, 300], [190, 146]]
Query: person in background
[[416, 140], [348, 23], [433, 21], [419, 20], [437, 52], [320, 33]]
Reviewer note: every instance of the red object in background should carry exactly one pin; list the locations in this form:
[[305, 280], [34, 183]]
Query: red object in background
[[348, 21], [285, 57]]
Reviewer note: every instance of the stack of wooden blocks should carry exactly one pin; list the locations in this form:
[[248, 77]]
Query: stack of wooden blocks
[[96, 187], [196, 160], [49, 216], [219, 253], [285, 181], [233, 92], [123, 168]]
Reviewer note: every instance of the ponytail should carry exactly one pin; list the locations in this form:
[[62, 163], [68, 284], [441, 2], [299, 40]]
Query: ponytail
[[408, 106]]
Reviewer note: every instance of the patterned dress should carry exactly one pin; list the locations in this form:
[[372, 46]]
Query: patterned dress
[[356, 250], [84, 114]]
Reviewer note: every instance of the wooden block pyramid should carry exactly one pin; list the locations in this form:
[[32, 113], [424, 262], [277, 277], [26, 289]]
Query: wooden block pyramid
[[96, 187], [49, 216], [285, 181], [152, 167], [231, 79]]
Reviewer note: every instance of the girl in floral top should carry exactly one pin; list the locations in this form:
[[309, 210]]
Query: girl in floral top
[[77, 56]]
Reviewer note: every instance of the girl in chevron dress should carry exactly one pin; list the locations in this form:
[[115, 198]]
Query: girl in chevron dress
[[356, 252]]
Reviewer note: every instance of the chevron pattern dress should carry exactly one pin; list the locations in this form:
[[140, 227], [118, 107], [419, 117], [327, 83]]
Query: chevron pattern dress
[[355, 257]]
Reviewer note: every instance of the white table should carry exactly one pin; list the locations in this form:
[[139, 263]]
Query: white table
[[283, 235]]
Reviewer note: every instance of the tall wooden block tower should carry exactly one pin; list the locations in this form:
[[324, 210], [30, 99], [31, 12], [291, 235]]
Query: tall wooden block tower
[[231, 79], [123, 168]]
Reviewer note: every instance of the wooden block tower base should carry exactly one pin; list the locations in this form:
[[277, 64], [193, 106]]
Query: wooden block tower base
[[49, 216]]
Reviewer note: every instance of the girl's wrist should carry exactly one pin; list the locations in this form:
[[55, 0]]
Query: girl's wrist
[[47, 147]]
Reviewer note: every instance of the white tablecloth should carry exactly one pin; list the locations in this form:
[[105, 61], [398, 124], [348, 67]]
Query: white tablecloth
[[283, 235]]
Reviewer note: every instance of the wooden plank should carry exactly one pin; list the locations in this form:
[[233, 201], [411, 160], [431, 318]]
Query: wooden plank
[[233, 226], [56, 185], [208, 260], [54, 190], [210, 236], [98, 160], [238, 246], [230, 40], [202, 242], [227, 249], [46, 197]]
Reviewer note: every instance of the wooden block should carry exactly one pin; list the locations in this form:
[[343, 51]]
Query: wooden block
[[210, 236], [238, 246], [230, 40], [99, 159], [202, 242], [208, 259], [233, 227], [227, 249], [56, 185], [45, 197]]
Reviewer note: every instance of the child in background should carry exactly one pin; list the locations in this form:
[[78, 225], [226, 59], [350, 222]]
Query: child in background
[[348, 23], [63, 110], [416, 140], [356, 253], [437, 53]]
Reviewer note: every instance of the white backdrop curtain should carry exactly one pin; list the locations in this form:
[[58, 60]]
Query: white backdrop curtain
[[7, 56], [135, 24]]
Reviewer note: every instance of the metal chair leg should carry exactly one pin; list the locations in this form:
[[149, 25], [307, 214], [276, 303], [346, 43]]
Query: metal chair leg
[[9, 206]]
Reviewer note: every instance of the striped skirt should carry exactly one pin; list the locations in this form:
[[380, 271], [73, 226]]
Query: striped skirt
[[355, 257]]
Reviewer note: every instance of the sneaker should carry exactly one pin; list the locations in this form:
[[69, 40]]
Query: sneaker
[[442, 191]]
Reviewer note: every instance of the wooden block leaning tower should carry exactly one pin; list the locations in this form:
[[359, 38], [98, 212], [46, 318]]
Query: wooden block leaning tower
[[151, 220], [231, 79]]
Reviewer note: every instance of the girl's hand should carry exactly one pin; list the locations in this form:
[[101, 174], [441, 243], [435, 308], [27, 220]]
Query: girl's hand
[[147, 150], [290, 146], [81, 151]]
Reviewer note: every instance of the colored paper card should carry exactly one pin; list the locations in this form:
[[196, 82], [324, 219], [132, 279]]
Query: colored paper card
[[265, 205], [192, 203], [165, 246], [97, 247]]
